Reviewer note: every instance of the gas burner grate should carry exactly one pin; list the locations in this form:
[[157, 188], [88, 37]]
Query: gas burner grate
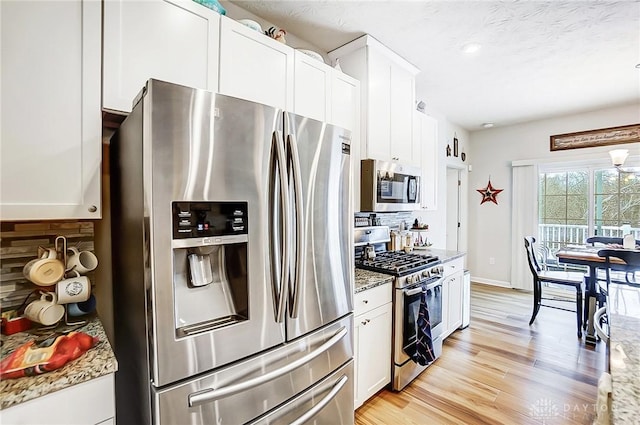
[[397, 262]]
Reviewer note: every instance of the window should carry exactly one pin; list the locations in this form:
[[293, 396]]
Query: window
[[577, 203], [616, 202], [563, 207]]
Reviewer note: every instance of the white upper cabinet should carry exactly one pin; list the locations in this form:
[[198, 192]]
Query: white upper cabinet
[[312, 87], [377, 113], [345, 102], [402, 107], [387, 98], [425, 146], [175, 41], [255, 67], [50, 155]]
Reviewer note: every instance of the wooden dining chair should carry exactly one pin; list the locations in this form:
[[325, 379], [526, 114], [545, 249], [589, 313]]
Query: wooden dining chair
[[573, 279], [631, 272], [630, 268]]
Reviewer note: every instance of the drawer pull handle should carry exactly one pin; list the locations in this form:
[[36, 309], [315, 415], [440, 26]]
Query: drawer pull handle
[[364, 322]]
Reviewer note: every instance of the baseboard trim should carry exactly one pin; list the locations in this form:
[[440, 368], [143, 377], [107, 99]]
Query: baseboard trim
[[490, 282]]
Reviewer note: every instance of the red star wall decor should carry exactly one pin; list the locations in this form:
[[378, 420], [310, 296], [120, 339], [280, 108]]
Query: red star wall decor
[[489, 193]]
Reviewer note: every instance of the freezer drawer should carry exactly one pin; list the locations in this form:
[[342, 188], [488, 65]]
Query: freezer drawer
[[329, 402], [246, 390]]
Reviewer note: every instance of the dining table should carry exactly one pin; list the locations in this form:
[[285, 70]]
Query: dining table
[[587, 255]]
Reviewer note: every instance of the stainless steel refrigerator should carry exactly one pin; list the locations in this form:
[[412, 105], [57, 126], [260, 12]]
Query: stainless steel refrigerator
[[232, 263]]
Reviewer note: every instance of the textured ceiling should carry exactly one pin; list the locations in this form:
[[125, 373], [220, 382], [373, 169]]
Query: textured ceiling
[[538, 59]]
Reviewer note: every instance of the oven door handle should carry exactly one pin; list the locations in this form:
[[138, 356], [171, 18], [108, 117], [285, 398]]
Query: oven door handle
[[414, 291], [419, 287]]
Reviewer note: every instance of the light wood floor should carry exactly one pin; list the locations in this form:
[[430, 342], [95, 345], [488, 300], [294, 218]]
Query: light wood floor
[[500, 370]]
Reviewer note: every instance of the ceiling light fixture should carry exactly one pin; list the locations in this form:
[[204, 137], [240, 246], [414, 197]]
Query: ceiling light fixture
[[618, 156], [487, 125], [471, 47]]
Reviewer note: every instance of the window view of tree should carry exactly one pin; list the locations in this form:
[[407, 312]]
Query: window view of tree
[[617, 201], [568, 214], [563, 207]]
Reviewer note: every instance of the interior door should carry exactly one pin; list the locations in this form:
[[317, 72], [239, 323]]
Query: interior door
[[453, 208], [321, 263]]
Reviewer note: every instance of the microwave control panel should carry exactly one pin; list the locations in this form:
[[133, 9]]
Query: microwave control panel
[[204, 219]]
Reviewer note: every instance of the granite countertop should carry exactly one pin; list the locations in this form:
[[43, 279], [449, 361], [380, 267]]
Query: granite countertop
[[366, 279], [96, 362], [624, 362], [443, 254]]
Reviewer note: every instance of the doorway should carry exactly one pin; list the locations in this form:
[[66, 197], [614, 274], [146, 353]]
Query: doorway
[[453, 208]]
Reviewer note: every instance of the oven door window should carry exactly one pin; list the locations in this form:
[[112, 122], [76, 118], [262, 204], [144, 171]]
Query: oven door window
[[411, 311], [397, 188]]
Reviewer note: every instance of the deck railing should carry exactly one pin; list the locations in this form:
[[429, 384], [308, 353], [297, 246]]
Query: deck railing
[[555, 236]]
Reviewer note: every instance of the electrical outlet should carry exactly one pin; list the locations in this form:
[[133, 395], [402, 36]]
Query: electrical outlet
[[492, 260]]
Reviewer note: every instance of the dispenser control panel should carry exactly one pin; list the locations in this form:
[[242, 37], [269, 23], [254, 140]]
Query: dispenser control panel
[[202, 219]]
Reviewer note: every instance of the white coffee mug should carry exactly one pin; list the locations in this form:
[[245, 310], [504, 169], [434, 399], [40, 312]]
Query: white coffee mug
[[45, 270], [73, 290], [81, 261], [45, 310]]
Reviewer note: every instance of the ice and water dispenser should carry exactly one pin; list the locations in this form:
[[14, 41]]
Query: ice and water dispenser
[[209, 265]]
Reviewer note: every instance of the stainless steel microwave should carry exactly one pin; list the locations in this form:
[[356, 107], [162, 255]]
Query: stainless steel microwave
[[389, 186]]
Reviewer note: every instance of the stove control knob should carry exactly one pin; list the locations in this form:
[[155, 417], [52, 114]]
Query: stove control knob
[[426, 273]]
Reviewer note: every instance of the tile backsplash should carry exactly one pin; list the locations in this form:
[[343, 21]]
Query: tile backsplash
[[19, 242], [392, 219]]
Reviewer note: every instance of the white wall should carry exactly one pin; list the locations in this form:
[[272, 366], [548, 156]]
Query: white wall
[[492, 152]]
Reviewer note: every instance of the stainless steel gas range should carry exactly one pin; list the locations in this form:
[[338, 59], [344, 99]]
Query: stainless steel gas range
[[414, 274]]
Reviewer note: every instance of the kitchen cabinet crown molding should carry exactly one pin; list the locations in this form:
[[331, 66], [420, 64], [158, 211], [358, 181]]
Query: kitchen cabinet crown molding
[[368, 41]]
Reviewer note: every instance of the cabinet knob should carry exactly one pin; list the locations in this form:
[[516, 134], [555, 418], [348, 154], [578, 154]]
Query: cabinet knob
[[365, 301], [93, 208], [364, 322]]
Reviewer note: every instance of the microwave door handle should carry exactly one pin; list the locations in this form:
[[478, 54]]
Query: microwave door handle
[[300, 235], [412, 180], [322, 403], [281, 162]]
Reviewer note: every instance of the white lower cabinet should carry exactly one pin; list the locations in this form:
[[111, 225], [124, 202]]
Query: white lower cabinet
[[372, 341], [452, 295], [170, 40], [88, 403]]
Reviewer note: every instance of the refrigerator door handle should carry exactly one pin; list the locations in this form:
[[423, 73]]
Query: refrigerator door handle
[[322, 403], [208, 395], [282, 293], [300, 235]]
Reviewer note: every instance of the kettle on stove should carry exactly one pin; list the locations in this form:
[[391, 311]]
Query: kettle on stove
[[369, 252]]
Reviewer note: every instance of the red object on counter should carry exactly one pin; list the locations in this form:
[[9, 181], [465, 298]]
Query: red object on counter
[[16, 325], [33, 358]]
